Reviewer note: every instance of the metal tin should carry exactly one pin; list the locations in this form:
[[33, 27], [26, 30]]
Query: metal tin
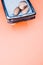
[[10, 5]]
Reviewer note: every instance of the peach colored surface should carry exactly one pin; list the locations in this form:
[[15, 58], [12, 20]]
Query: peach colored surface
[[22, 43]]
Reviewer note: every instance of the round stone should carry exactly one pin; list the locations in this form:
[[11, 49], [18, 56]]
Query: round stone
[[25, 10], [22, 5], [16, 11]]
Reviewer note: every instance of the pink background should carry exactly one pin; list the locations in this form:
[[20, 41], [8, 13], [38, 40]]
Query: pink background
[[22, 43]]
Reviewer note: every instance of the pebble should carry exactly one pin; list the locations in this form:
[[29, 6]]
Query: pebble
[[22, 5], [16, 11], [25, 10]]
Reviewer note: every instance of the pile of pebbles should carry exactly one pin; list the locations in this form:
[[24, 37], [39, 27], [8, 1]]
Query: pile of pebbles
[[22, 7]]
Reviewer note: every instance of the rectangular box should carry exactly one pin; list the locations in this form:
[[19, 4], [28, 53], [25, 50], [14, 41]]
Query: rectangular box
[[9, 6]]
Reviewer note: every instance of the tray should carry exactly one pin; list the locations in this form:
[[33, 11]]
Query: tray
[[9, 6]]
